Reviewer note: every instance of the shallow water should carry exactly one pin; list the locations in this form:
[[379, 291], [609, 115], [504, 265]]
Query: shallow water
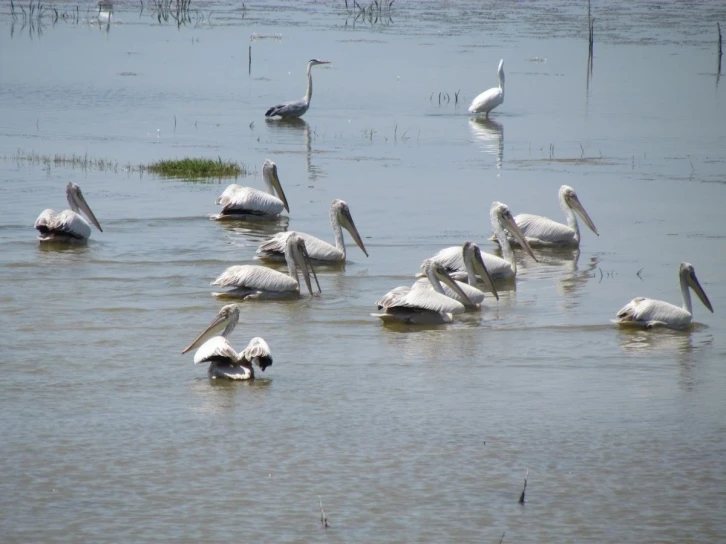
[[406, 434]]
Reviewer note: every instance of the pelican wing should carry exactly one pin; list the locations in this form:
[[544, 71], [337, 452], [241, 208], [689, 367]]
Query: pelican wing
[[215, 348], [318, 250], [45, 221], [255, 277], [540, 230], [452, 259], [246, 200], [258, 351], [475, 295], [393, 295], [487, 101], [66, 222], [425, 299], [649, 312]]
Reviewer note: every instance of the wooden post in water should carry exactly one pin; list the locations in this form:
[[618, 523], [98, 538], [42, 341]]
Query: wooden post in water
[[249, 64]]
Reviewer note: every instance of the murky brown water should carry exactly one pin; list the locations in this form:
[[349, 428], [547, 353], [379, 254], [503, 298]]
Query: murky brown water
[[109, 434]]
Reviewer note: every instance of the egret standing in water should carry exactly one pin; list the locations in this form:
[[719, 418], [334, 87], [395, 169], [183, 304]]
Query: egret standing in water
[[297, 108], [490, 99], [68, 225], [224, 361], [647, 312], [247, 203]]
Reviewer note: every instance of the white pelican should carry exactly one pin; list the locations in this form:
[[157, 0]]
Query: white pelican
[[499, 268], [418, 305], [262, 283], [542, 231], [647, 312], [68, 225], [273, 249], [245, 202], [297, 108], [474, 265], [224, 361], [490, 99]]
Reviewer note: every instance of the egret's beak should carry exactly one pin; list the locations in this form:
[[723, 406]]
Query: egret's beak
[[275, 180], [577, 206], [306, 266], [443, 276], [481, 270], [83, 205], [693, 283], [515, 231], [350, 227], [219, 322]]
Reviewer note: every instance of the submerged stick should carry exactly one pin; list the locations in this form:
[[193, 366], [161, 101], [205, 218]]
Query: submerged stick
[[323, 517], [249, 63], [502, 539], [521, 497]]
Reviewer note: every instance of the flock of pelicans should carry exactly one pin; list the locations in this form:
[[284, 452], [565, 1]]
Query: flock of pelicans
[[453, 281]]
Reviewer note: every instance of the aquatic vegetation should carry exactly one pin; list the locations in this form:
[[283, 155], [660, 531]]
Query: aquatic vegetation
[[196, 168]]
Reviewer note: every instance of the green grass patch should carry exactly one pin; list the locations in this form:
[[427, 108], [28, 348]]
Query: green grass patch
[[193, 168]]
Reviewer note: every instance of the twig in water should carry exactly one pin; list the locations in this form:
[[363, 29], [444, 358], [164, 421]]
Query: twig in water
[[502, 539], [638, 274], [249, 64], [456, 96], [323, 517], [174, 122], [521, 497]]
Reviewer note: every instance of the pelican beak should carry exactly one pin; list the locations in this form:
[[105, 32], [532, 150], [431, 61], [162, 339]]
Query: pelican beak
[[306, 266], [693, 283], [443, 276], [483, 273], [350, 227], [219, 322], [275, 180], [577, 206], [515, 231], [83, 205]]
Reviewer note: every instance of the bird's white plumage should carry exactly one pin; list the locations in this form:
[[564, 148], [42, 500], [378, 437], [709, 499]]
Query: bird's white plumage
[[474, 294], [491, 98], [421, 297], [67, 225], [217, 347], [239, 201]]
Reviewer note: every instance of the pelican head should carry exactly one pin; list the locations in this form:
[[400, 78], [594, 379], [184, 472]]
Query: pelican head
[[297, 251], [688, 275], [500, 212], [569, 197], [315, 62], [77, 201], [226, 319], [342, 212], [436, 272], [269, 174], [472, 254]]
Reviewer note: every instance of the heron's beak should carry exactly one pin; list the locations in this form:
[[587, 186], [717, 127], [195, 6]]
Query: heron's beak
[[350, 227], [83, 205], [212, 329], [515, 231], [306, 266], [693, 283], [443, 276], [275, 180], [577, 206], [481, 270]]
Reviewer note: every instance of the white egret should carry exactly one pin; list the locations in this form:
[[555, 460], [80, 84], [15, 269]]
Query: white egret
[[490, 99], [247, 203], [647, 312], [224, 361], [68, 225], [261, 283], [318, 250], [297, 108]]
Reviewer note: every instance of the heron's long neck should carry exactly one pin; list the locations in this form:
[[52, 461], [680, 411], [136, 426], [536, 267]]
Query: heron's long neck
[[337, 231], [507, 251], [686, 294], [309, 93], [291, 264], [571, 218]]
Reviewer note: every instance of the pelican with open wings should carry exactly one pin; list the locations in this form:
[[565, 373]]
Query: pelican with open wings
[[262, 283], [474, 266], [647, 312], [68, 225], [318, 250], [499, 268], [224, 361], [419, 305], [247, 203], [542, 231]]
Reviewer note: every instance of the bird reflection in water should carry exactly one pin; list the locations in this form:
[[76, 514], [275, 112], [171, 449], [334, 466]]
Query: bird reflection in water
[[255, 231], [295, 126], [490, 134]]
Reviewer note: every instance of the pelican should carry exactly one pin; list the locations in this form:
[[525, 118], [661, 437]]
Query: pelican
[[224, 361], [68, 225], [648, 313], [245, 202], [261, 283], [297, 108], [471, 256], [543, 232], [320, 251], [490, 99], [499, 268], [418, 305]]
